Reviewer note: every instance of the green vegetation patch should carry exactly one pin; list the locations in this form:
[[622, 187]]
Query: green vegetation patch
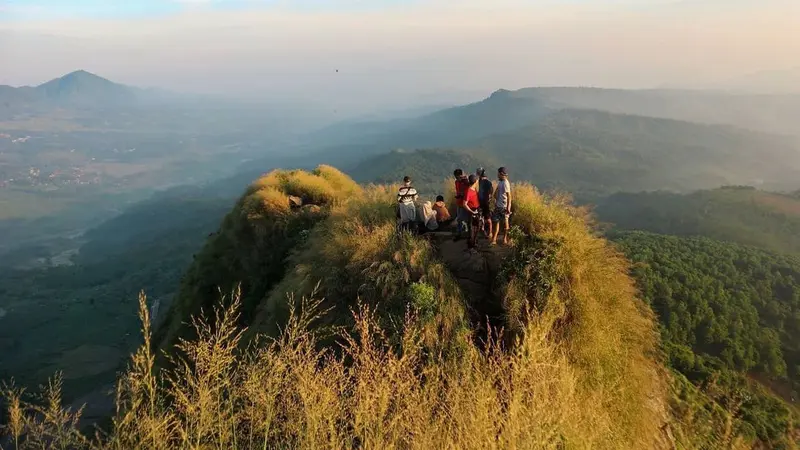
[[726, 310]]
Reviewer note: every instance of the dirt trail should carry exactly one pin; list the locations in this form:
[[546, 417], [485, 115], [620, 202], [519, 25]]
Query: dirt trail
[[476, 274]]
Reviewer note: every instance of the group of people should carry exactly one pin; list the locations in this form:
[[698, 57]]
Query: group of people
[[481, 207]]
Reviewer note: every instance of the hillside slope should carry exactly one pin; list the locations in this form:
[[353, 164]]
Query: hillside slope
[[593, 154], [737, 214], [506, 110], [426, 167], [769, 113], [565, 296]]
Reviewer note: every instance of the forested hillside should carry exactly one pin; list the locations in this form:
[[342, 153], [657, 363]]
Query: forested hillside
[[737, 214], [48, 310], [726, 312]]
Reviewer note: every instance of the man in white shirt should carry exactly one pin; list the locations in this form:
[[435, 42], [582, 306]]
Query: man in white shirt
[[406, 196], [502, 209]]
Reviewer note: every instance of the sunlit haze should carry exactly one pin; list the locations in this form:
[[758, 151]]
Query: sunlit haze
[[358, 53]]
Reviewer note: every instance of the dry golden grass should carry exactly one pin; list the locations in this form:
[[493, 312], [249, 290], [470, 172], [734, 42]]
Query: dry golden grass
[[379, 393], [342, 183], [266, 201], [323, 186], [607, 332]]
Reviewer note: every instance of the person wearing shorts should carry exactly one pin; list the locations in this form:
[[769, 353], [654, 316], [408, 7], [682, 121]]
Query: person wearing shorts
[[502, 209]]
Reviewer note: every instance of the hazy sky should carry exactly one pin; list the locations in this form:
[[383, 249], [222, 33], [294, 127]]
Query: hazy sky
[[395, 51]]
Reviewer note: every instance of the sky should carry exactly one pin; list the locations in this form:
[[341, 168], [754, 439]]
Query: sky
[[396, 52]]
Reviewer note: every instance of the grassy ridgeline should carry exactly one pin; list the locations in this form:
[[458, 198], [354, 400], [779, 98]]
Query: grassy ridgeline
[[582, 374], [252, 243]]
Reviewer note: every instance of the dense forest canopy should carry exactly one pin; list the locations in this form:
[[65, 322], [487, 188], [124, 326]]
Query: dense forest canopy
[[725, 310]]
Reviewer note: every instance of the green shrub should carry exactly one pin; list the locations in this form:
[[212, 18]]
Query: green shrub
[[423, 299]]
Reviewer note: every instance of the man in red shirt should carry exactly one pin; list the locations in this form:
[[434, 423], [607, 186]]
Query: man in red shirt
[[462, 217], [472, 206]]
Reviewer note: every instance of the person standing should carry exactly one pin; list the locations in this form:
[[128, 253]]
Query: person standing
[[462, 218], [472, 207], [406, 196], [502, 208], [485, 191]]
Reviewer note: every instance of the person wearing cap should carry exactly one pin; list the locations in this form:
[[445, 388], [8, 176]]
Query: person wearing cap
[[406, 196], [485, 190], [502, 208], [472, 207]]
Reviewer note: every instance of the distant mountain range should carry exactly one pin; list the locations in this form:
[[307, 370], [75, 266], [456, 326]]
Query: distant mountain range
[[84, 101], [506, 110], [588, 141], [79, 88], [594, 153], [774, 82]]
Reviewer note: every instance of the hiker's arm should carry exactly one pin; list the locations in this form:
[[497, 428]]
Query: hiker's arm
[[508, 202]]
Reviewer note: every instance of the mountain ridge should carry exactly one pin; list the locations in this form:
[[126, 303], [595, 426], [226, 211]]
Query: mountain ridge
[[82, 86], [596, 153], [79, 89]]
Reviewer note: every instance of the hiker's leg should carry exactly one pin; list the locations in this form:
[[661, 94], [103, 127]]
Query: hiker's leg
[[462, 220], [505, 230], [495, 230], [473, 232]]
